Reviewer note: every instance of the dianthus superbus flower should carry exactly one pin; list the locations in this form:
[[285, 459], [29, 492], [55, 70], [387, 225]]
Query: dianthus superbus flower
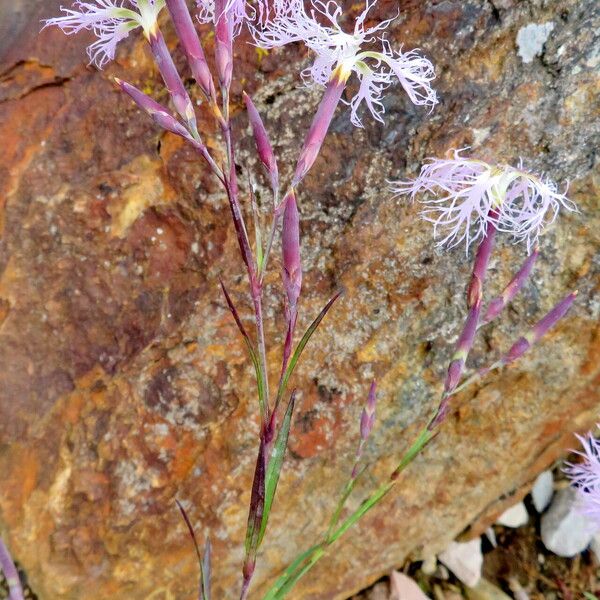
[[585, 477], [110, 20], [463, 195], [338, 51], [235, 11]]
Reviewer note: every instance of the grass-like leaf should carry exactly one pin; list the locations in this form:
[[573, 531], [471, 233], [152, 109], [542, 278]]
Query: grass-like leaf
[[257, 504], [275, 463], [203, 562], [300, 347], [253, 356]]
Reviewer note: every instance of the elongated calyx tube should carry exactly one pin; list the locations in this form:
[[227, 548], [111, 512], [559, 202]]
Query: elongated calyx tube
[[190, 42], [497, 305], [159, 113], [166, 66], [263, 145], [224, 43], [290, 243], [321, 122], [474, 299], [540, 329]]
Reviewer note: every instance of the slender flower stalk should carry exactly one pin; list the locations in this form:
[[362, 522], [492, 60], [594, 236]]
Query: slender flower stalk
[[585, 477], [190, 42], [463, 195], [7, 566]]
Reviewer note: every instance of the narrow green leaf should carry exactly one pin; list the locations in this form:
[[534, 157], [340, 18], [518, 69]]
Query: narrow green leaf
[[293, 580], [259, 379], [301, 345], [289, 572], [202, 582], [257, 503], [275, 463]]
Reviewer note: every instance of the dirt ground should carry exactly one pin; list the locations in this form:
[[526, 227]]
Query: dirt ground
[[520, 566]]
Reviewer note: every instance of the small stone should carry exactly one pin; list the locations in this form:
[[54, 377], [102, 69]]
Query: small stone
[[429, 565], [403, 587], [542, 491], [490, 534], [515, 516], [486, 590], [464, 560], [531, 40], [565, 531]]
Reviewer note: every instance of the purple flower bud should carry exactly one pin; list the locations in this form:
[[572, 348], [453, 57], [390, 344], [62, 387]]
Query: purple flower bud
[[224, 43], [166, 66], [454, 374], [367, 417], [290, 242], [516, 351], [263, 145], [497, 305], [320, 124], [365, 424], [551, 319], [482, 261], [191, 45], [158, 112]]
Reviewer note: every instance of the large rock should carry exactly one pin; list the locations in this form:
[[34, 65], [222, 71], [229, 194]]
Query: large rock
[[124, 383]]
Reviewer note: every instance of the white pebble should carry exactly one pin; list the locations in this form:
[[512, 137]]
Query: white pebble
[[515, 516], [565, 531], [542, 491], [464, 560]]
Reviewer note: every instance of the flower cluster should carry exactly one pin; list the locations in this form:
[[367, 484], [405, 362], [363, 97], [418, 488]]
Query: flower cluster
[[464, 195], [319, 28], [585, 477], [110, 20]]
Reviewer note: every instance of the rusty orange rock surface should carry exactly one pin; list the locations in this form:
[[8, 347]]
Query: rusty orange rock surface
[[124, 384]]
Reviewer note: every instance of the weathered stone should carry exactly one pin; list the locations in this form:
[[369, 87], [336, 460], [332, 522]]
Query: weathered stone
[[124, 384], [565, 530], [465, 560], [542, 491], [515, 516]]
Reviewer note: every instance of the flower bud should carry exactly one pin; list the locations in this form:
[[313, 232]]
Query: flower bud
[[159, 113], [164, 61], [290, 242], [191, 45], [263, 145]]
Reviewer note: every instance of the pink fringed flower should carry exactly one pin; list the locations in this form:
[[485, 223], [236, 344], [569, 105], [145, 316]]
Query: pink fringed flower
[[585, 477], [239, 11], [463, 195], [318, 27], [110, 20]]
